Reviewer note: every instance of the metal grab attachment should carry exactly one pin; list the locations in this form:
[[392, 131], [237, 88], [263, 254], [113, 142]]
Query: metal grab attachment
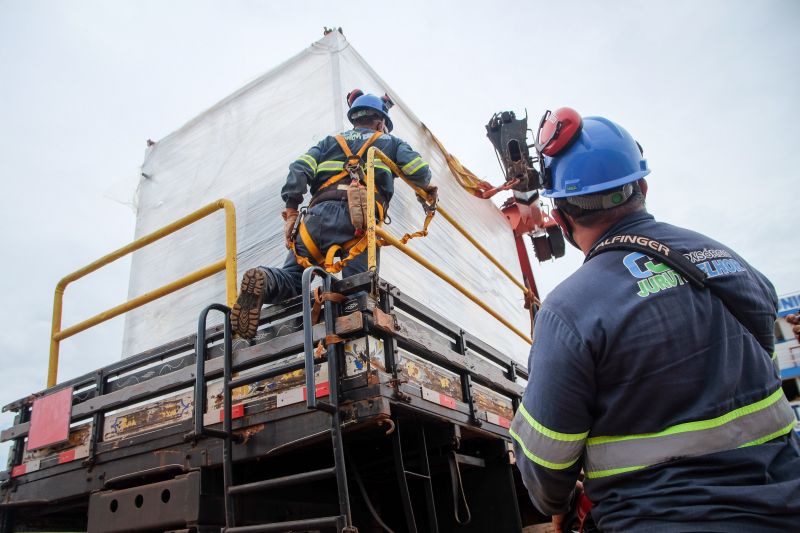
[[228, 265]]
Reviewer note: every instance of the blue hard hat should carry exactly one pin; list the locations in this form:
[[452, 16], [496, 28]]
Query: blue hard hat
[[604, 156], [368, 103]]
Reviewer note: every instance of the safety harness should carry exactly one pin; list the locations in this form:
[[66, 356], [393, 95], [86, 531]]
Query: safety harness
[[356, 196]]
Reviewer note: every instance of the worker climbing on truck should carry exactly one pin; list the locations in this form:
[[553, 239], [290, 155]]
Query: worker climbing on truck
[[333, 223], [663, 340]]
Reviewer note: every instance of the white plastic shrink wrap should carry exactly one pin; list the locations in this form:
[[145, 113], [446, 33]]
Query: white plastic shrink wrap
[[241, 148]]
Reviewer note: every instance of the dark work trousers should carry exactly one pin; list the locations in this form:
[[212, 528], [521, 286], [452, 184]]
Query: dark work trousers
[[328, 223]]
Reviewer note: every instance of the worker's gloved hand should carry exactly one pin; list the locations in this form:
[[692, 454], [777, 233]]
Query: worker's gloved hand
[[574, 518], [290, 217], [433, 196]]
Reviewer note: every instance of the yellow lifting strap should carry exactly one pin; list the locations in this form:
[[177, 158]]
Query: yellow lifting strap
[[354, 247], [468, 181], [349, 154], [421, 233]]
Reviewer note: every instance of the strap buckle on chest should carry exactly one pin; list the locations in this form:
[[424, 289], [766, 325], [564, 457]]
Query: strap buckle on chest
[[355, 168]]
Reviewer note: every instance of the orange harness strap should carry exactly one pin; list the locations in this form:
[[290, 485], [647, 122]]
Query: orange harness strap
[[354, 247], [308, 242], [349, 154]]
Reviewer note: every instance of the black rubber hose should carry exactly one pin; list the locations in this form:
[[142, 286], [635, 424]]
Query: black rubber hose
[[364, 495]]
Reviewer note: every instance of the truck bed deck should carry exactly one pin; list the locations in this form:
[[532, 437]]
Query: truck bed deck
[[132, 420]]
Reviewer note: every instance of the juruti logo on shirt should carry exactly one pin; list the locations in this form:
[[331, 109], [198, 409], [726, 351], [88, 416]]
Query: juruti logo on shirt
[[653, 276]]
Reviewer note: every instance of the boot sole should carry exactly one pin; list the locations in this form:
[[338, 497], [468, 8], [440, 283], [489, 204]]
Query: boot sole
[[247, 310]]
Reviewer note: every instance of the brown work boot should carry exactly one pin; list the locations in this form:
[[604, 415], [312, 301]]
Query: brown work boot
[[247, 309]]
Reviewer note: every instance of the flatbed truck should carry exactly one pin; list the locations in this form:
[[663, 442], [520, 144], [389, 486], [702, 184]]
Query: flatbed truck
[[406, 428]]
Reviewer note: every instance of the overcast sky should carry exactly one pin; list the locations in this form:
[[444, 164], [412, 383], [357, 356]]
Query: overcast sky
[[710, 89]]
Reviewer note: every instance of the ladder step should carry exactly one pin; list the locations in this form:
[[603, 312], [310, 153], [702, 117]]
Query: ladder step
[[415, 474], [325, 521], [284, 481], [215, 433], [325, 406], [470, 460]]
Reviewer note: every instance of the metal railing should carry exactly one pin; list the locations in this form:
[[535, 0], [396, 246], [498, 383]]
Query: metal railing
[[374, 231], [228, 264]]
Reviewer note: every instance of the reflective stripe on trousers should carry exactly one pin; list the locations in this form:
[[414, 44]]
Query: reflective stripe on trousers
[[749, 425]]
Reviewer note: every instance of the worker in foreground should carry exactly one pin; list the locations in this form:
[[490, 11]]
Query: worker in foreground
[[334, 223], [651, 370]]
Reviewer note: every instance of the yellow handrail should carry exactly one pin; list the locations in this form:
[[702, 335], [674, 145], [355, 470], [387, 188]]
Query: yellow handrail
[[228, 265], [374, 231]]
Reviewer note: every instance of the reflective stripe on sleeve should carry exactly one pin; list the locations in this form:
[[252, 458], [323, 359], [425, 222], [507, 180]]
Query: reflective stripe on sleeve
[[544, 446], [330, 166], [413, 166], [337, 166], [310, 161], [749, 425]]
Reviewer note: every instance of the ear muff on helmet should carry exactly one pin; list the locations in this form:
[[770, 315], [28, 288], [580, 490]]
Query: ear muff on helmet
[[352, 95], [557, 130]]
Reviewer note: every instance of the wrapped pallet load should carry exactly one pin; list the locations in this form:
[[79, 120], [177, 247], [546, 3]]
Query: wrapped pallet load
[[241, 148]]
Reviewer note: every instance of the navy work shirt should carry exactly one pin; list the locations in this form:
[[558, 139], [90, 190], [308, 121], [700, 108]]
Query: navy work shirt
[[668, 403], [327, 159]]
